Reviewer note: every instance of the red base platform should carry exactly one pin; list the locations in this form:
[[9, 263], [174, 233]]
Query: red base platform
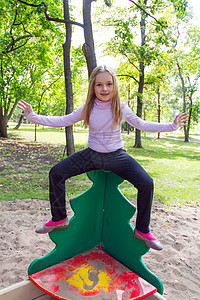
[[92, 275]]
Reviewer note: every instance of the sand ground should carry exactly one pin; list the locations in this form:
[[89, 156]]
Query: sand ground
[[178, 228]]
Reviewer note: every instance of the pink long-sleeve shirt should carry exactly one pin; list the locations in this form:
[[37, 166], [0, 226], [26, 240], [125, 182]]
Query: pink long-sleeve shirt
[[103, 137]]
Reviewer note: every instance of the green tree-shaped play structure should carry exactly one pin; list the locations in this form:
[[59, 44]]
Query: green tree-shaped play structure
[[101, 217]]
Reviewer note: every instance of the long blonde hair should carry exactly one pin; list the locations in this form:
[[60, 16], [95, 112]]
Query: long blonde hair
[[89, 104]]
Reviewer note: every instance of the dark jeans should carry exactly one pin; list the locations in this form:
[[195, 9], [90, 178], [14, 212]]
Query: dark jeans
[[118, 162]]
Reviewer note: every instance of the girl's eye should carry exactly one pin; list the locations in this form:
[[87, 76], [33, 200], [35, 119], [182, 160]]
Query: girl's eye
[[98, 84], [110, 83]]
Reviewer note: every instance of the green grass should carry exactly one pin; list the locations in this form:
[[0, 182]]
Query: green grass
[[49, 135], [173, 164]]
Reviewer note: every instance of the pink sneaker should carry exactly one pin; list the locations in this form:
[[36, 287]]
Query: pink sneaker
[[149, 239], [49, 226]]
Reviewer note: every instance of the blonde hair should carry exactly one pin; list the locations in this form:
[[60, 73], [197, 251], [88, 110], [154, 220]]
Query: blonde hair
[[89, 104]]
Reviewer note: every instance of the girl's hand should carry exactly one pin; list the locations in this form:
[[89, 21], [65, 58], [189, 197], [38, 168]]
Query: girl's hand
[[25, 107], [180, 120]]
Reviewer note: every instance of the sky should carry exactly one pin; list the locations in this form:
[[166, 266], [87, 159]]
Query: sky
[[196, 10]]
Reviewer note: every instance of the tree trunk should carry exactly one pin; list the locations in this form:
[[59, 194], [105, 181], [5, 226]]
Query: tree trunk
[[3, 126], [88, 47], [138, 142], [184, 99], [158, 93], [69, 148], [144, 117], [129, 96], [5, 116], [19, 123], [189, 121], [190, 114]]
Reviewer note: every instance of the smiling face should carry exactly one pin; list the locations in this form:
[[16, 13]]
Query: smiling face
[[104, 86]]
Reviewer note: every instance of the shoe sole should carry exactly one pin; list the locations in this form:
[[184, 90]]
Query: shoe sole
[[61, 227]]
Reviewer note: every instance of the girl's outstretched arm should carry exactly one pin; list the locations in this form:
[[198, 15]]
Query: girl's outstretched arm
[[25, 107], [135, 121], [180, 120], [52, 121]]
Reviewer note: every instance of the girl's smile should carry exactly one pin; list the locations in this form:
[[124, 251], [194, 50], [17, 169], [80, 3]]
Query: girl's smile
[[104, 86]]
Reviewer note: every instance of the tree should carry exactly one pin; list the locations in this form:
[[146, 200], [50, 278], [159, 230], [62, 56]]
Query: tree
[[187, 56], [9, 68], [141, 55], [160, 24], [137, 56], [138, 143], [88, 49], [68, 79], [67, 71], [188, 90], [21, 53]]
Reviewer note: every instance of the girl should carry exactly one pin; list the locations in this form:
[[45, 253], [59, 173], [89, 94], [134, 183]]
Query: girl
[[104, 114]]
